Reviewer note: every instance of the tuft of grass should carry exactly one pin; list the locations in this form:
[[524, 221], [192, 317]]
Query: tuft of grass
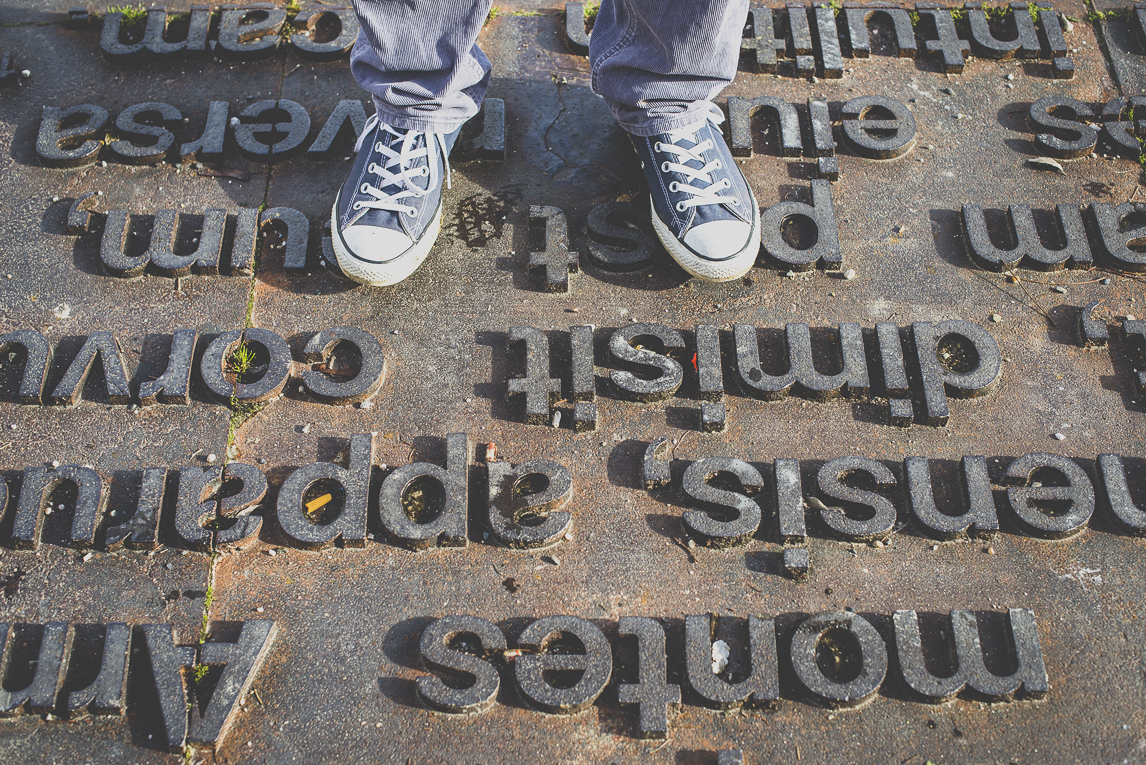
[[494, 12], [133, 17], [836, 6], [1094, 14], [241, 359], [591, 9]]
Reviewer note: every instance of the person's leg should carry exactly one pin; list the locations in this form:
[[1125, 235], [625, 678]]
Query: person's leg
[[420, 61], [658, 64]]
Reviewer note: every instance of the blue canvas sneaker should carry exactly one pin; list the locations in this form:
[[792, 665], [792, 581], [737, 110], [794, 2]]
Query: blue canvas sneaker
[[389, 212], [702, 208]]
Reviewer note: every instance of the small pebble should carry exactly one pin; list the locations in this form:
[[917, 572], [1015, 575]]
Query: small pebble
[[850, 274], [366, 405], [1129, 317], [692, 544], [26, 73], [393, 332], [262, 460], [1104, 281], [211, 457], [791, 274], [12, 426], [1010, 77], [48, 511], [168, 566], [877, 543], [258, 610], [103, 164], [87, 557], [55, 463], [990, 550], [557, 419], [568, 536], [59, 507], [996, 318], [271, 553], [934, 547], [1058, 289], [306, 428], [234, 122], [1059, 437]]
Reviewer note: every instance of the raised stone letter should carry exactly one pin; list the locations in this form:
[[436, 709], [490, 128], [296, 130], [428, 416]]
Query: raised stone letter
[[652, 692], [939, 379], [540, 390], [974, 491], [728, 518], [671, 373], [595, 665], [820, 215], [872, 659], [448, 645], [349, 528], [717, 690], [882, 516], [1128, 515], [551, 267], [104, 346], [38, 483], [174, 385], [529, 520], [1077, 495], [141, 530], [52, 135], [39, 696], [1028, 249], [37, 361], [332, 390], [107, 694], [167, 663], [243, 660], [448, 528]]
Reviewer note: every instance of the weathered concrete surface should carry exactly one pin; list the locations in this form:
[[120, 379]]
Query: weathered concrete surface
[[340, 682], [55, 284]]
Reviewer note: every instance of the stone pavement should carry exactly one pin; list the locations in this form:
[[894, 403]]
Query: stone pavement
[[346, 672]]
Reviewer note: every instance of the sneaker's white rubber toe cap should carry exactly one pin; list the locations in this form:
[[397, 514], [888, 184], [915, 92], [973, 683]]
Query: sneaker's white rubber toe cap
[[380, 256], [719, 239], [376, 243], [717, 251]]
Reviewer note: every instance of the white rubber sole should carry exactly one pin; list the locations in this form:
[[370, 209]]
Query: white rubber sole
[[393, 270], [726, 270]]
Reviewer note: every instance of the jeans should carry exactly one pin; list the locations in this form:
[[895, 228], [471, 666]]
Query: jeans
[[657, 63]]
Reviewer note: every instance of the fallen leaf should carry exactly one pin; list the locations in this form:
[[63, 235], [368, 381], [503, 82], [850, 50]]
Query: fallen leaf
[[1047, 163]]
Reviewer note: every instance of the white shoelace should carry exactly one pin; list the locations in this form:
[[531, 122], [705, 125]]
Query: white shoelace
[[698, 196], [403, 176]]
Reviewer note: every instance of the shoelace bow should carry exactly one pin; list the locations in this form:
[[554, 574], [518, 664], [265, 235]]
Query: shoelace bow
[[708, 195], [403, 177]]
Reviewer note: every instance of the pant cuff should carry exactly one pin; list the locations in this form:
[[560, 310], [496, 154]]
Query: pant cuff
[[406, 122]]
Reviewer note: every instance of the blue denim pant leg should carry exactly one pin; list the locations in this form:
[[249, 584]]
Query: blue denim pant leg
[[420, 61], [659, 63]]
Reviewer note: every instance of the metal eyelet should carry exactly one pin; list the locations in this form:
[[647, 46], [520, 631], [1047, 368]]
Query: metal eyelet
[[357, 205], [735, 202], [680, 207], [665, 167], [657, 146], [674, 186], [363, 187], [718, 165], [410, 211]]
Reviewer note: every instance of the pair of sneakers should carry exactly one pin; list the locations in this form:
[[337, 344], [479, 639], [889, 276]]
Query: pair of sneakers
[[388, 214]]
